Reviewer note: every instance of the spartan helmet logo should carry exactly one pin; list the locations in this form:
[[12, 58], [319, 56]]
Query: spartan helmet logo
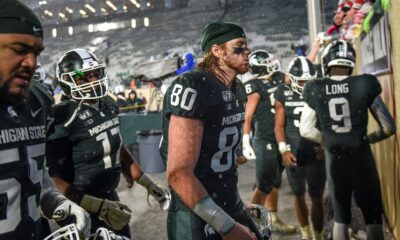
[[210, 233]]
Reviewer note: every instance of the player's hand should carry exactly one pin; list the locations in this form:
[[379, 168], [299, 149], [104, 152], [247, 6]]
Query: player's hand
[[248, 153], [160, 193], [81, 217], [241, 160], [113, 213], [240, 232], [289, 160], [319, 152], [247, 150]]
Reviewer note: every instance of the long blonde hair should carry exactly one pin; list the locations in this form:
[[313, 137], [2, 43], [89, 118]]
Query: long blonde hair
[[210, 63]]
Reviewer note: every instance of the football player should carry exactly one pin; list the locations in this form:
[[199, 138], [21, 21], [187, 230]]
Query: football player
[[85, 151], [203, 114], [260, 114], [26, 190], [302, 158], [340, 103]]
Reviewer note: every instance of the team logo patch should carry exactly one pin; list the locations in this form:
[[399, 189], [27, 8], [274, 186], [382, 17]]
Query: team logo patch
[[85, 115], [209, 231], [229, 107], [227, 96]]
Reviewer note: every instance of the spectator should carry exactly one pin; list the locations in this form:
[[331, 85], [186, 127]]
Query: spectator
[[136, 103], [121, 100]]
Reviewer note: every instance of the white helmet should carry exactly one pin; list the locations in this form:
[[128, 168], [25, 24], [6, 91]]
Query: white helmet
[[70, 232]]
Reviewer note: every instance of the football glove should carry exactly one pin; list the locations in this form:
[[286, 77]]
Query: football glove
[[247, 150], [158, 192], [69, 209], [113, 213]]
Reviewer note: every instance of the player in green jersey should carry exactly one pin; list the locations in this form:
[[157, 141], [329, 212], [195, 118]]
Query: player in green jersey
[[340, 103], [302, 158], [203, 116], [26, 190], [85, 151], [260, 113]]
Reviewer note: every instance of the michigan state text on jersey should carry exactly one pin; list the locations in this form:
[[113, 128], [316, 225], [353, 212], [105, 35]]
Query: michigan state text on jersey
[[96, 171]]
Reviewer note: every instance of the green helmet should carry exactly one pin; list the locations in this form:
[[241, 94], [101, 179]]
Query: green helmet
[[262, 63], [300, 71], [338, 53], [81, 75]]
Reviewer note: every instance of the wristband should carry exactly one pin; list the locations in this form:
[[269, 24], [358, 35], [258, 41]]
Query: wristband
[[282, 147], [246, 140], [211, 213]]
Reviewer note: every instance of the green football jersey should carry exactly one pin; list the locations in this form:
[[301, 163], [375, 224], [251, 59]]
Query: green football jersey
[[22, 150], [342, 108], [93, 139], [200, 95], [293, 104], [263, 119]]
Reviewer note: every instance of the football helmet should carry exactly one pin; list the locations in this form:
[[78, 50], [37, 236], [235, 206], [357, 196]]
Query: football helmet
[[40, 74], [300, 71], [262, 219], [338, 53], [70, 232], [262, 63], [81, 75]]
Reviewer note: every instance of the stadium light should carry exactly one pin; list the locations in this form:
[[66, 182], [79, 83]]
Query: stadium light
[[70, 30], [54, 32], [82, 12], [48, 13], [42, 2], [125, 8], [111, 5], [134, 2], [133, 23], [146, 22], [69, 10], [62, 15], [148, 4], [90, 8]]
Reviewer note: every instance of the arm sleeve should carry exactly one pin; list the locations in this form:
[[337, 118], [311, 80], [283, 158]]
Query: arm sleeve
[[387, 125], [308, 125]]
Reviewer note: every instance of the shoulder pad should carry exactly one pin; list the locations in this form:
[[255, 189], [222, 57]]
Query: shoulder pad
[[63, 110]]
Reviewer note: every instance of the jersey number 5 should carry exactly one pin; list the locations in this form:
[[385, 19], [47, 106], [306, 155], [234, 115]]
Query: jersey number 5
[[11, 188], [339, 110]]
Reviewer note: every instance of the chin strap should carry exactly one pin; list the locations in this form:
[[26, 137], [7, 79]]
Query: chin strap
[[72, 118]]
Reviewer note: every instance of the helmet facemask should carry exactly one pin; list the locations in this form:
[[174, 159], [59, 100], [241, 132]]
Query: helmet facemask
[[262, 218], [82, 85], [300, 71], [69, 232], [297, 83], [82, 76]]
